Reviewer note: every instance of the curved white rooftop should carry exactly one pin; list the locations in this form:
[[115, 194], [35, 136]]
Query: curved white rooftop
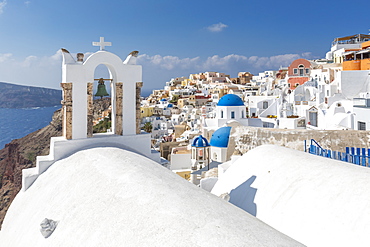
[[317, 201], [112, 197]]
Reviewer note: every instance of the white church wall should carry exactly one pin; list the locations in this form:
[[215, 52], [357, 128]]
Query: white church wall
[[61, 148], [352, 83], [292, 123], [362, 118], [336, 97], [181, 161], [208, 183], [218, 154], [79, 114]]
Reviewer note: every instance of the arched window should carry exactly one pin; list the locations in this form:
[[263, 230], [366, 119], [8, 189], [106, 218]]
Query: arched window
[[200, 154], [301, 70]]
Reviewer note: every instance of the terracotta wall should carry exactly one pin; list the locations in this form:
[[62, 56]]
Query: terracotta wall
[[365, 64], [352, 65]]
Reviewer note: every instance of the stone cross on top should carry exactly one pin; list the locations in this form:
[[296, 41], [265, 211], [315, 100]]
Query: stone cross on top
[[102, 44]]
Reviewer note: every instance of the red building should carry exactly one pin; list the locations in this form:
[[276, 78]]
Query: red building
[[299, 72]]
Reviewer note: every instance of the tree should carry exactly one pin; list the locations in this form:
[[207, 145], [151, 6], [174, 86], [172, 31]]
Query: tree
[[174, 99], [148, 127]]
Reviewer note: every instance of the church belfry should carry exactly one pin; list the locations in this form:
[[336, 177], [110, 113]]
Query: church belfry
[[77, 107], [199, 156], [77, 82]]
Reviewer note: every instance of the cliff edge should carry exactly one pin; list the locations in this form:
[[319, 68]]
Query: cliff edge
[[21, 153], [17, 96]]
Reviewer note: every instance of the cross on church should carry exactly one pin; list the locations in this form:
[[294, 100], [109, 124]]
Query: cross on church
[[102, 44]]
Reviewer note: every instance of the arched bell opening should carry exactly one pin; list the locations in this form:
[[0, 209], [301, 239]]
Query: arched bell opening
[[106, 73], [102, 72], [102, 100]]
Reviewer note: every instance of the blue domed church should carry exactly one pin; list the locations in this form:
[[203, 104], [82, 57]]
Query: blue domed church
[[231, 108], [219, 144]]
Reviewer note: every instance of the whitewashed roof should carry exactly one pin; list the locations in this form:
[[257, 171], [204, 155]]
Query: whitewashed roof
[[112, 197], [317, 201]]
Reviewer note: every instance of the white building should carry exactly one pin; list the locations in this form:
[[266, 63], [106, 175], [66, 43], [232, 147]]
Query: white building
[[231, 107]]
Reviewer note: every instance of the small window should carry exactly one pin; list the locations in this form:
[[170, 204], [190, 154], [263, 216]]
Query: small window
[[307, 71], [361, 125], [222, 114], [265, 105], [214, 156], [295, 71], [232, 114]]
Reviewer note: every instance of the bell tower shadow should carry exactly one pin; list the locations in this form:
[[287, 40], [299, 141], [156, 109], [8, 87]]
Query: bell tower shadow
[[243, 196]]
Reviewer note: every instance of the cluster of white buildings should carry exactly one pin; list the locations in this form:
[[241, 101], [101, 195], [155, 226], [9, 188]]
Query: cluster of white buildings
[[325, 94]]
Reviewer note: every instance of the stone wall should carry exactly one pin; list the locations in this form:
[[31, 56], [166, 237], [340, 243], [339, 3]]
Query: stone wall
[[67, 110], [90, 109], [119, 102], [246, 138]]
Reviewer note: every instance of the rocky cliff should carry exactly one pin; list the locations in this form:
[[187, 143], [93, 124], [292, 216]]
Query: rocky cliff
[[17, 96], [21, 154]]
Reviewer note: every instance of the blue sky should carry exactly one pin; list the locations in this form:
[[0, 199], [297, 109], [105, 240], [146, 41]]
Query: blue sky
[[175, 38]]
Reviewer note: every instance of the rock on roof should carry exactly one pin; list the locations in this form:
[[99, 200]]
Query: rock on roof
[[112, 197]]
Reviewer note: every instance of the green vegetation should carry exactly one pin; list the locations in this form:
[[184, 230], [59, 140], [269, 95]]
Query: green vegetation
[[148, 127], [174, 99], [31, 156], [103, 125]]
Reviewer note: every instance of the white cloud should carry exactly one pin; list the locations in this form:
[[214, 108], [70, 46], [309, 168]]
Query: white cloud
[[168, 62], [157, 69], [28, 61], [221, 64], [27, 3], [32, 70], [2, 6], [217, 27], [5, 57]]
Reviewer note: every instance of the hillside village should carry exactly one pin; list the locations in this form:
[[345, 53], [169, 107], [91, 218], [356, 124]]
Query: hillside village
[[332, 93]]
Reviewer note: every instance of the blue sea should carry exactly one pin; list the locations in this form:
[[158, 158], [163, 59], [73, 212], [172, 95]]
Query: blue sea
[[16, 123]]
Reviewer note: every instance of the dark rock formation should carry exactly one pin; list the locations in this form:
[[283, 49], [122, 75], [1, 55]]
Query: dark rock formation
[[21, 154], [17, 96]]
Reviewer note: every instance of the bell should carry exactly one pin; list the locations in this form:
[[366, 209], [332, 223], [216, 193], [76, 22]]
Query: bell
[[101, 89]]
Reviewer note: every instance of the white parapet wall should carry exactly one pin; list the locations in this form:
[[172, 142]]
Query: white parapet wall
[[61, 148]]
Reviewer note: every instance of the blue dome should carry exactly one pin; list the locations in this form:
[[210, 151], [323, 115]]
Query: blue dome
[[163, 100], [200, 142], [230, 100], [221, 137], [170, 105]]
